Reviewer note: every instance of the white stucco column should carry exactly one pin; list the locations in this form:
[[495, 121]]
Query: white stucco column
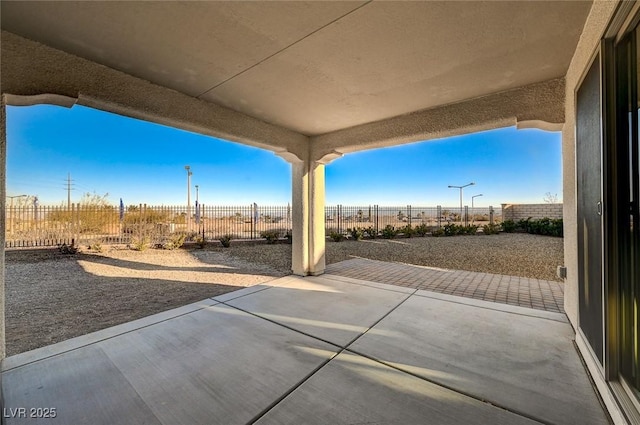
[[3, 180], [308, 233]]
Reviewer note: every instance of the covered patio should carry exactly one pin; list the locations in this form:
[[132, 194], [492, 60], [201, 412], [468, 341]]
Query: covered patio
[[313, 81], [315, 350]]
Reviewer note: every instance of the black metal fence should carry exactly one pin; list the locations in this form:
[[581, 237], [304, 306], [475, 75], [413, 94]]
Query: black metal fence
[[29, 226]]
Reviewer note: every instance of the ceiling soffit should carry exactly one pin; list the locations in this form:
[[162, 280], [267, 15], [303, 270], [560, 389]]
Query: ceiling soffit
[[316, 67]]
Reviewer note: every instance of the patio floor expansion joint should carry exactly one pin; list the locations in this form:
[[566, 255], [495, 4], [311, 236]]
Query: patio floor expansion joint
[[324, 363], [457, 391]]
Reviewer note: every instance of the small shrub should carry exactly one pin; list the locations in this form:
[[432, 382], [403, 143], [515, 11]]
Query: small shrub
[[201, 242], [546, 226], [490, 229], [389, 232], [356, 233], [140, 243], [177, 240], [437, 232], [422, 229], [509, 226], [451, 229], [336, 237], [95, 246], [68, 249], [470, 230], [408, 231], [524, 224], [225, 240], [271, 236], [371, 231]]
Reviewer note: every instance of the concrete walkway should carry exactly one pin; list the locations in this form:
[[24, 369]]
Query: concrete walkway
[[525, 292], [315, 350]]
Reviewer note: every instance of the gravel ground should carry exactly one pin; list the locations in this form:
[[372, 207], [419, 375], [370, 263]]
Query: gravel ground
[[51, 297], [515, 254]]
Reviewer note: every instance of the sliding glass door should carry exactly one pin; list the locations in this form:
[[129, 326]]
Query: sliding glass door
[[625, 167]]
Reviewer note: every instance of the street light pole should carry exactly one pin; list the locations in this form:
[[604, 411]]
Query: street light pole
[[189, 173], [473, 208], [198, 209], [461, 187]]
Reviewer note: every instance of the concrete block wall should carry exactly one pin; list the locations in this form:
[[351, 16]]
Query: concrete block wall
[[517, 212]]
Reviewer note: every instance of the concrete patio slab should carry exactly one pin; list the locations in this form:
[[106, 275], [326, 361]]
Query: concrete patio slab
[[512, 359], [215, 365], [355, 390], [324, 349], [101, 335], [322, 307]]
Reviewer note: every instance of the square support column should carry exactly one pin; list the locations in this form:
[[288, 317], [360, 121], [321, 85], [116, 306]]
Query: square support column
[[308, 250]]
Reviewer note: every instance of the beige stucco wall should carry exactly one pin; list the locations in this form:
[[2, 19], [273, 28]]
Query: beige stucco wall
[[599, 17], [517, 212]]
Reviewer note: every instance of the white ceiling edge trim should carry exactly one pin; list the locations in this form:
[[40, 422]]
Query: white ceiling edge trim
[[39, 99], [539, 105]]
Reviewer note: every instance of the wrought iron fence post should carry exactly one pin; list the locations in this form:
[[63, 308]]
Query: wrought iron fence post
[[439, 212], [409, 213], [466, 215], [377, 217]]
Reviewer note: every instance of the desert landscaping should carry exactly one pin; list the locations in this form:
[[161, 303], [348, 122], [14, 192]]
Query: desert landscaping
[[53, 296]]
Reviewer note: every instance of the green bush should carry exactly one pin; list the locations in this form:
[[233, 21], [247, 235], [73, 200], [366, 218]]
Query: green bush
[[271, 236], [336, 237], [356, 233], [509, 226], [490, 229], [226, 240], [437, 232], [524, 224], [546, 226], [470, 230], [389, 232], [408, 231], [422, 229], [371, 231], [452, 229]]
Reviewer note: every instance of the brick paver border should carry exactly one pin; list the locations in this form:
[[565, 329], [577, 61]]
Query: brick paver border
[[521, 291]]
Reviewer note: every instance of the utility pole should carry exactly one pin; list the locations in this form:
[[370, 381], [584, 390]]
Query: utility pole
[[12, 212], [189, 173], [69, 191]]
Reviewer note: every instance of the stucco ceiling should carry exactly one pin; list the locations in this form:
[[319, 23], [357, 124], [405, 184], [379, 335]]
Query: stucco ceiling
[[316, 67]]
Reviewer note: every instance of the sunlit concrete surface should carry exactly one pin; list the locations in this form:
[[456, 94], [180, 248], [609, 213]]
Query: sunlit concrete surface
[[317, 350]]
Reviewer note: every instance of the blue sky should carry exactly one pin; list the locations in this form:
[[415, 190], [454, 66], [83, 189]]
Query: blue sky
[[144, 163]]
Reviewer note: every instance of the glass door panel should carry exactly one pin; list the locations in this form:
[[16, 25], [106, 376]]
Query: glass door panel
[[628, 103]]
